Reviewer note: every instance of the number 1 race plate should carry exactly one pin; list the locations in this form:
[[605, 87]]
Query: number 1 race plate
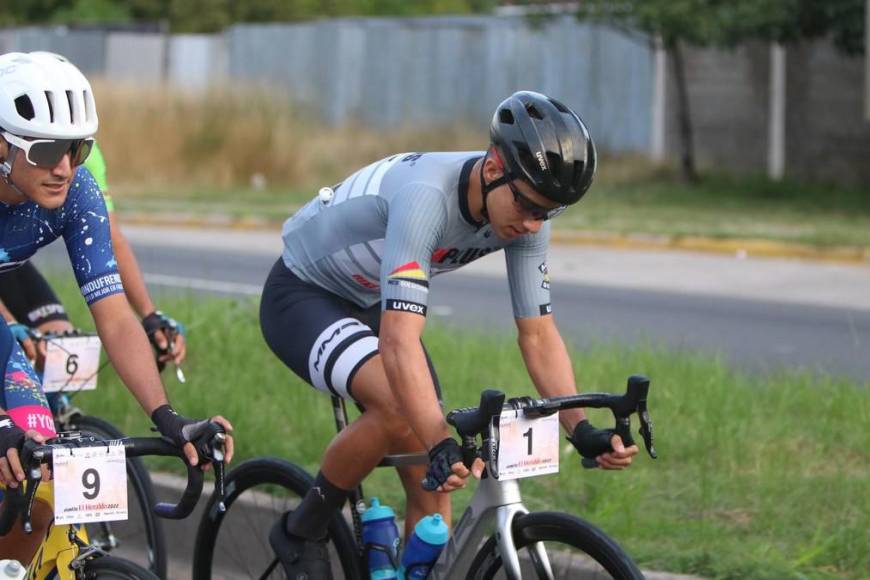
[[90, 485], [527, 447], [71, 364]]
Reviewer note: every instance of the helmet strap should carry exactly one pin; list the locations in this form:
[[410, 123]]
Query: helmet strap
[[6, 169], [485, 188]]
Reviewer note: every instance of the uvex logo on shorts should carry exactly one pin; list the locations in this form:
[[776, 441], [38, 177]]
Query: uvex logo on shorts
[[459, 255], [405, 306]]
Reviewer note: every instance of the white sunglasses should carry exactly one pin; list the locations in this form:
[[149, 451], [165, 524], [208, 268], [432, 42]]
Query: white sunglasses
[[49, 152]]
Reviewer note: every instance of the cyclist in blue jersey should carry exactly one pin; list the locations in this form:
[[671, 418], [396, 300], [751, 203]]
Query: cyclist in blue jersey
[[28, 302], [346, 304], [47, 121]]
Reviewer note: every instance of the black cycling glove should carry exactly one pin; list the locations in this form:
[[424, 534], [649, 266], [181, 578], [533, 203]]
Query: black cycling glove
[[589, 441], [441, 457], [157, 321], [11, 435], [177, 428]]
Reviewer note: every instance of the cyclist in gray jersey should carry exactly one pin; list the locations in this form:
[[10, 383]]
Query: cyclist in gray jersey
[[345, 306]]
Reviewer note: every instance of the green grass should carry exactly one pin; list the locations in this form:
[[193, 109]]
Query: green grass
[[758, 477], [646, 204]]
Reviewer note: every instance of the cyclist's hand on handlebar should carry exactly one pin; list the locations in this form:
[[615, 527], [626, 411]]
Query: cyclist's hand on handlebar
[[602, 445], [446, 470], [619, 458], [12, 438], [184, 432], [24, 335], [167, 338]]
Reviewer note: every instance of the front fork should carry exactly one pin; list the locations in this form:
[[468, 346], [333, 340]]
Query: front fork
[[507, 548]]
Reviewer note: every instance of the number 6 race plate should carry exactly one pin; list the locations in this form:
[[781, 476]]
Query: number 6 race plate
[[527, 447], [71, 364], [90, 485]]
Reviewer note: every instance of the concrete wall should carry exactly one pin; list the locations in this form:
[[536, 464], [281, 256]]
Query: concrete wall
[[826, 136]]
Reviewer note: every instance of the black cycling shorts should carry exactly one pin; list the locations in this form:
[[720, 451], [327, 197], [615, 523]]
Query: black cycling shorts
[[322, 337], [29, 298]]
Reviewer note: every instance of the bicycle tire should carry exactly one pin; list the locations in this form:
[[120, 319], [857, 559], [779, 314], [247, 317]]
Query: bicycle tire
[[141, 538], [601, 556], [248, 554], [106, 567]]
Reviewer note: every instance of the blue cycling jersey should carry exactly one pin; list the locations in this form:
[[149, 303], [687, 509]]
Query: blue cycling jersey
[[83, 223]]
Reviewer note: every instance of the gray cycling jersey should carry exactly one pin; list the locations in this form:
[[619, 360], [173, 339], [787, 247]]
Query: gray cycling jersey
[[391, 226]]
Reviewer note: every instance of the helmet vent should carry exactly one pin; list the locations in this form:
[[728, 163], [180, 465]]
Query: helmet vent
[[534, 113], [579, 166], [505, 116], [69, 100], [554, 160], [50, 106], [25, 107], [561, 108]]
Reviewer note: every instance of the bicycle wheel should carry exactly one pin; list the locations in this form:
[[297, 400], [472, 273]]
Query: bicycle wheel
[[235, 543], [575, 548], [140, 538], [106, 567]]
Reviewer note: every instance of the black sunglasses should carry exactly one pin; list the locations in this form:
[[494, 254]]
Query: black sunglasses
[[537, 212]]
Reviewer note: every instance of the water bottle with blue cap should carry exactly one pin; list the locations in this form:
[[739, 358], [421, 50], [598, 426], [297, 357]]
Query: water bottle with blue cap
[[381, 541], [424, 547]]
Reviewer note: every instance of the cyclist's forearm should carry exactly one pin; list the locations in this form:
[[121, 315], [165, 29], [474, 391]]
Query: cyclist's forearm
[[411, 383], [131, 275], [129, 351], [550, 369], [5, 313]]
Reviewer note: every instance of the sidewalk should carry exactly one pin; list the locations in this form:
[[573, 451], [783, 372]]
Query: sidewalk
[[737, 274]]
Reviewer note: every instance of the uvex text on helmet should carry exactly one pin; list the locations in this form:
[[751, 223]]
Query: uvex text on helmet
[[43, 95], [546, 143]]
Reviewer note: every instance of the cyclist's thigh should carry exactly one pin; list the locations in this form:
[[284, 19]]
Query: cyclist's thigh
[[314, 332], [29, 297]]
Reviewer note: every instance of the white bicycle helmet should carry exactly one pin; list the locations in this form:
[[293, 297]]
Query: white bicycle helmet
[[44, 96]]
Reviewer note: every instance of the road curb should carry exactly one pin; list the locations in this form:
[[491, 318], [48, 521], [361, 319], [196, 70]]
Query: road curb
[[740, 247]]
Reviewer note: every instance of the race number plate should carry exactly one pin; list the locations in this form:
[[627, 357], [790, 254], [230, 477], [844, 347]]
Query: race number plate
[[90, 485], [71, 364], [527, 447]]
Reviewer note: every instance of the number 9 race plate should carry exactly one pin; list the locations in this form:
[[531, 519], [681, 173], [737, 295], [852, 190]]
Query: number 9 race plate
[[90, 485], [527, 447], [71, 364]]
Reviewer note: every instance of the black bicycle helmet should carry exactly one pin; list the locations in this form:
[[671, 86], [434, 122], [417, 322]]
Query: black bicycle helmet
[[546, 143]]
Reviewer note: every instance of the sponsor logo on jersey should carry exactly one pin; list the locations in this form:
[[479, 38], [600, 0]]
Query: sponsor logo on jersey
[[454, 256], [546, 309], [411, 275], [545, 284], [406, 306], [364, 282]]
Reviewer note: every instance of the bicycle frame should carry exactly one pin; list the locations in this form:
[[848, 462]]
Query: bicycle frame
[[493, 508]]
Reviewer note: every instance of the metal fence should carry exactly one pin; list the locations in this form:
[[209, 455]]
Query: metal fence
[[390, 72]]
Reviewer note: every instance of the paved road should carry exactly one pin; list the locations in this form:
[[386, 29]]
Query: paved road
[[760, 314]]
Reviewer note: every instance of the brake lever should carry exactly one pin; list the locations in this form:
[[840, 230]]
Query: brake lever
[[30, 459], [646, 430], [218, 447]]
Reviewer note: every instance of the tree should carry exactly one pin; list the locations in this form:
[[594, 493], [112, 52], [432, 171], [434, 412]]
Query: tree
[[728, 23]]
